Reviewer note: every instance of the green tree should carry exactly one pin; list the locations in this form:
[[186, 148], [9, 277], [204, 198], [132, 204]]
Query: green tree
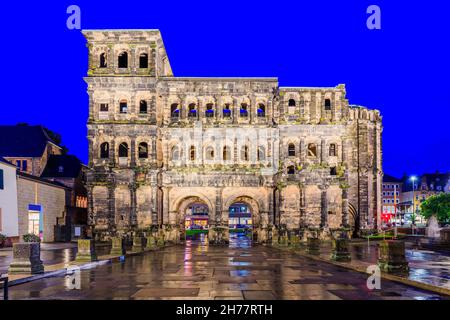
[[438, 205]]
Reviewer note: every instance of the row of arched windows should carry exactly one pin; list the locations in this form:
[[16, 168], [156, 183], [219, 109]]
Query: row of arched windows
[[312, 150], [192, 111], [176, 153], [143, 150], [327, 103], [122, 60], [123, 107]]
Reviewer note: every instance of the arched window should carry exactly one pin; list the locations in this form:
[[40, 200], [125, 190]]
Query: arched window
[[226, 111], [226, 153], [244, 153], [175, 153], [143, 61], [192, 153], [192, 111], [244, 110], [143, 106], [210, 153], [327, 104], [104, 150], [123, 106], [123, 150], [312, 150], [291, 170], [123, 60], [291, 150], [143, 150], [332, 152], [291, 103], [209, 112], [261, 110], [261, 153], [103, 62], [174, 111]]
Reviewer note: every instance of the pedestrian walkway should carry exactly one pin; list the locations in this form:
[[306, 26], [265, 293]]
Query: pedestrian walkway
[[198, 271], [427, 267]]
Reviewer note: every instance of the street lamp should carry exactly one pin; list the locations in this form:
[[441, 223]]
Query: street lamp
[[413, 180]]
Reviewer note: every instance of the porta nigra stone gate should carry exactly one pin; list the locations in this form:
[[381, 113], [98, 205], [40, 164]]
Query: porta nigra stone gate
[[302, 159]]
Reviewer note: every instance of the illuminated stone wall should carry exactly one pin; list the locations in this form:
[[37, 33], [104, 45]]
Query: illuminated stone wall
[[301, 158]]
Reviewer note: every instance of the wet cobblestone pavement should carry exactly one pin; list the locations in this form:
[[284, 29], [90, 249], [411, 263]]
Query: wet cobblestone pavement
[[198, 271]]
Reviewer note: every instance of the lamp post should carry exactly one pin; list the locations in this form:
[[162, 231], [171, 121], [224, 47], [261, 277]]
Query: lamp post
[[413, 180]]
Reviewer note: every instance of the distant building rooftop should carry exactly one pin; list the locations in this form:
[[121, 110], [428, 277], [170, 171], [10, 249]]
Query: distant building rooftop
[[62, 166], [23, 141]]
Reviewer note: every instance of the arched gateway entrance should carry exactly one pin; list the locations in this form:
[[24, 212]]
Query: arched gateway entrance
[[243, 221], [240, 224], [193, 219], [196, 221]]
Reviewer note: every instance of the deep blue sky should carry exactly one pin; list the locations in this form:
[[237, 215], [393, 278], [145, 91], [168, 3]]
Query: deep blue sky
[[403, 69]]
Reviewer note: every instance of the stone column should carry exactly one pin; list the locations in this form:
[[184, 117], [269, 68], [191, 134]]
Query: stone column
[[90, 195], [345, 222], [133, 152], [324, 207], [302, 151], [111, 207], [323, 150], [303, 220], [133, 213], [200, 111], [91, 152], [235, 111], [166, 204]]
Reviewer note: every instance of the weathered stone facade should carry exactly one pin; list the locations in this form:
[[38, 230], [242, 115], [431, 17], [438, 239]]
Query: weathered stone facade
[[301, 158]]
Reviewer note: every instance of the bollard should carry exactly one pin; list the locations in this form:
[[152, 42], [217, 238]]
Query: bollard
[[391, 256], [117, 246], [86, 251], [313, 246], [138, 244], [26, 259], [340, 250]]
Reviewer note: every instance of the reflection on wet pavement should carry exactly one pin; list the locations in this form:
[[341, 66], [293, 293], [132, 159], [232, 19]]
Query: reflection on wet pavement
[[425, 266], [200, 271]]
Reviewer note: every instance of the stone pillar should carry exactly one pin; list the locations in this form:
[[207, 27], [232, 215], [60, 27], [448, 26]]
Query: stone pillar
[[111, 207], [165, 211], [86, 251], [90, 195], [235, 111], [323, 152], [133, 152], [303, 218], [26, 259], [345, 220], [133, 213], [324, 207]]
